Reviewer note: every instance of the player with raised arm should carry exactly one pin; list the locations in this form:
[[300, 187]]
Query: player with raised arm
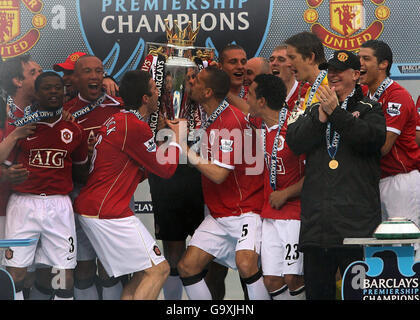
[[125, 150]]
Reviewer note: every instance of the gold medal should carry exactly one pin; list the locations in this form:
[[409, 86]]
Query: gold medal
[[333, 164]]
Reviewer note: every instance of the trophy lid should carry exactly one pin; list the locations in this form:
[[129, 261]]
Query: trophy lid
[[397, 228], [181, 37]]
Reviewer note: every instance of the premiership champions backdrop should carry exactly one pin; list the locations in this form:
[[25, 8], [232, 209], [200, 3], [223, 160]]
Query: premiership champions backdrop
[[117, 30]]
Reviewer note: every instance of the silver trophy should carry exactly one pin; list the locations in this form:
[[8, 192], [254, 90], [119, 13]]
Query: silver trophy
[[174, 65]]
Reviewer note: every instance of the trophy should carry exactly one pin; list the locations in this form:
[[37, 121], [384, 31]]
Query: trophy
[[173, 65]]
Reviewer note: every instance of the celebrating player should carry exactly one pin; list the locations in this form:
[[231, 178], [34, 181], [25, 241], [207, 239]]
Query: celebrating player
[[399, 185], [231, 233], [125, 149], [42, 201]]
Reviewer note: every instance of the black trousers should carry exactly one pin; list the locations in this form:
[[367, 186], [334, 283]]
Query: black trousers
[[320, 268]]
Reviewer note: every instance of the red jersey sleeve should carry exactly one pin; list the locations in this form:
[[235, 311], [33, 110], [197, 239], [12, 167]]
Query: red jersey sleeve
[[418, 114], [398, 110], [140, 145]]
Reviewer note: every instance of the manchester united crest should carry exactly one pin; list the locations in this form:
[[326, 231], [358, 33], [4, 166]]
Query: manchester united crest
[[66, 136], [348, 28], [12, 42]]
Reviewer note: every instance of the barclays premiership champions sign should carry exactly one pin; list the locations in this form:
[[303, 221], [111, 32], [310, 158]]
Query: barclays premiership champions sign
[[117, 30]]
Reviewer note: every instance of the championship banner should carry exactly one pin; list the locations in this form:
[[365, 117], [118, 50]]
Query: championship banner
[[117, 30]]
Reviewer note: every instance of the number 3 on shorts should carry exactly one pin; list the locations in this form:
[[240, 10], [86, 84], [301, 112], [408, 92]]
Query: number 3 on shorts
[[71, 244]]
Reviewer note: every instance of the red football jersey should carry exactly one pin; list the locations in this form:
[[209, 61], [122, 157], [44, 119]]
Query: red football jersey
[[125, 149], [293, 95], [418, 114], [400, 114], [290, 169], [239, 193], [49, 154], [94, 120], [4, 187]]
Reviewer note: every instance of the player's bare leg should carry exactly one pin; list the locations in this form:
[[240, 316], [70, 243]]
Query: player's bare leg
[[111, 286], [18, 276], [42, 289], [249, 271], [146, 284], [85, 275], [190, 270], [215, 280], [63, 284]]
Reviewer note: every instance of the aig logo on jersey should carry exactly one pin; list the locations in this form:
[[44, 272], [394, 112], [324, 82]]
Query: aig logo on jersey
[[47, 158], [393, 109], [66, 136]]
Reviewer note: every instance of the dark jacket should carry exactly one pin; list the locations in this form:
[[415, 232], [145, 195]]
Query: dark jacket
[[340, 203]]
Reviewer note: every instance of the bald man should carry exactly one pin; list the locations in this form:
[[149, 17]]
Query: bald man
[[254, 67]]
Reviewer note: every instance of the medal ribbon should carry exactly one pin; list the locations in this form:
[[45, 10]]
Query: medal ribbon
[[198, 134], [315, 86], [272, 166], [89, 107], [332, 147], [137, 114], [28, 115], [381, 89], [13, 107]]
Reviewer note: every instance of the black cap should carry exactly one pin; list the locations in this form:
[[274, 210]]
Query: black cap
[[342, 60]]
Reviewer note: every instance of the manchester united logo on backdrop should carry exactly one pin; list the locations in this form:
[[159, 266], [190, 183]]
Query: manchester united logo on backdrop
[[347, 19], [12, 42]]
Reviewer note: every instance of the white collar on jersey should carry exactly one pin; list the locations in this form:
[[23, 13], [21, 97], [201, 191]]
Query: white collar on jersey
[[51, 124], [115, 102], [292, 91]]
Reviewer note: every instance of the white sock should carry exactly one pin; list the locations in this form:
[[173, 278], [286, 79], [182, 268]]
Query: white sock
[[198, 291], [19, 295], [172, 289], [257, 290], [90, 293], [58, 298], [281, 294], [298, 294], [112, 293]]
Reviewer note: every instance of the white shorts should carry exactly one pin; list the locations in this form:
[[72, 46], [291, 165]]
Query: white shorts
[[279, 255], [400, 196], [2, 226], [50, 220], [123, 245], [222, 237], [85, 251]]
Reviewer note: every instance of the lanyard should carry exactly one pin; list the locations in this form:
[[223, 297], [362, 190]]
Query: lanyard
[[13, 107], [272, 166], [89, 107], [332, 147], [137, 114], [28, 115], [315, 86], [198, 134], [381, 89]]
